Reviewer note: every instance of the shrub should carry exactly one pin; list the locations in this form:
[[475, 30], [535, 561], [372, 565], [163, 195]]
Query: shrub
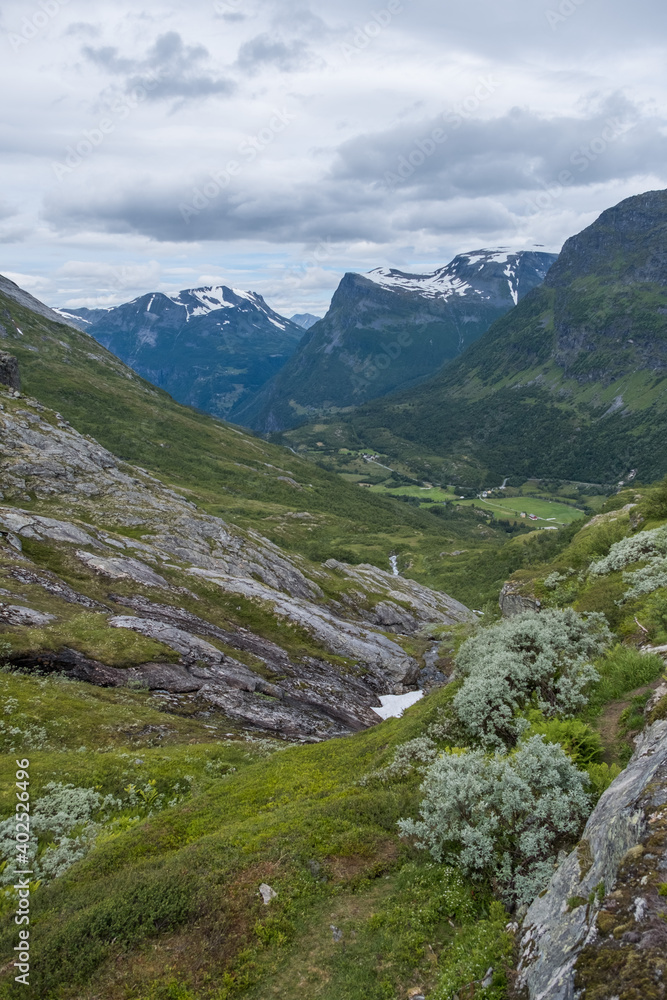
[[530, 659], [502, 817], [646, 580], [645, 545], [67, 819]]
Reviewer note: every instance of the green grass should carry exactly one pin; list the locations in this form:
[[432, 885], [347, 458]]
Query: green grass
[[180, 888], [548, 511]]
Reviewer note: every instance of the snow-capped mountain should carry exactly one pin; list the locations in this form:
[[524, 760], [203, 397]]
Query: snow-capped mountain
[[388, 329], [208, 347], [471, 274]]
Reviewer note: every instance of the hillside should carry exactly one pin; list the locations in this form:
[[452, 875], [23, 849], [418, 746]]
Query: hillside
[[388, 329], [569, 385], [208, 347]]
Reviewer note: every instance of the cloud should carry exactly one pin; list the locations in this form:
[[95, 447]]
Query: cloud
[[479, 175], [169, 69], [457, 153], [266, 50]]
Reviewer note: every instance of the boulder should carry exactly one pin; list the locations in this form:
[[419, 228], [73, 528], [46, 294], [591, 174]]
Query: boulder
[[513, 602], [9, 371]]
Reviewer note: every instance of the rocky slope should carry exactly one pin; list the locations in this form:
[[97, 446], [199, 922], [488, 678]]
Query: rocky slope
[[388, 329], [570, 384], [81, 530], [208, 347], [599, 931]]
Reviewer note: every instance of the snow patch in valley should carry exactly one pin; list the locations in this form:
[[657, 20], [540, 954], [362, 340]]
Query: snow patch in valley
[[393, 705]]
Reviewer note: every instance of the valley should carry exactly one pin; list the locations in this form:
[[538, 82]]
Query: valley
[[204, 632]]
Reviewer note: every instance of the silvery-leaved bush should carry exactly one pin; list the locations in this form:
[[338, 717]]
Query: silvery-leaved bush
[[69, 819], [636, 548], [502, 817], [538, 660]]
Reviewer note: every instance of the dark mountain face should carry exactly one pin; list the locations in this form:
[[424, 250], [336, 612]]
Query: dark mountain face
[[570, 384], [388, 329], [208, 347]]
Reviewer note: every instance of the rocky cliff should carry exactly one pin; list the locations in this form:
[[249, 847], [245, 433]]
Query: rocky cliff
[[599, 932]]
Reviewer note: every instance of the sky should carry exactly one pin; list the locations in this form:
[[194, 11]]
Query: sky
[[273, 146]]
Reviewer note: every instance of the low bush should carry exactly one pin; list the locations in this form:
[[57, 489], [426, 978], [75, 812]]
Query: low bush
[[502, 817], [537, 660]]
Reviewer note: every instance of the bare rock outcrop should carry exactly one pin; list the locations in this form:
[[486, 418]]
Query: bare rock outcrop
[[122, 527], [513, 602], [9, 371], [600, 929]]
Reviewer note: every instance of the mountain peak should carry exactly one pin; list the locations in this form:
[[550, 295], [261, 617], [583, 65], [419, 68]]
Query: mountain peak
[[480, 274]]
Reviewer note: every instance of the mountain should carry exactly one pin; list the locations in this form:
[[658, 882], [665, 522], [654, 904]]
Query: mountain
[[388, 329], [208, 347], [305, 320], [571, 384]]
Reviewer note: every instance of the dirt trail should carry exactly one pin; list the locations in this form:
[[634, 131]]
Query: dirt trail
[[608, 723]]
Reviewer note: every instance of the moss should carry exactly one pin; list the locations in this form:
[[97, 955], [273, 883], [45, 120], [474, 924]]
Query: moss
[[585, 858], [606, 922]]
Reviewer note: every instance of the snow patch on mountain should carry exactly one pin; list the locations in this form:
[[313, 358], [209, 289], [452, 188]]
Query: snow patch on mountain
[[462, 276]]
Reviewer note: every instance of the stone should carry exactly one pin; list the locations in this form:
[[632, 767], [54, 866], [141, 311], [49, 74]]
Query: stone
[[267, 893], [9, 371], [513, 602], [119, 568], [13, 614]]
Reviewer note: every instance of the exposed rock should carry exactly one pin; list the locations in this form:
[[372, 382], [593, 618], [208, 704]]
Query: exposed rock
[[342, 637], [119, 568], [313, 696], [513, 602], [267, 893], [425, 606], [13, 614], [599, 930], [32, 526], [52, 585], [9, 371]]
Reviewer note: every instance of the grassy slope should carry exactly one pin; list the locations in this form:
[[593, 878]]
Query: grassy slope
[[175, 898]]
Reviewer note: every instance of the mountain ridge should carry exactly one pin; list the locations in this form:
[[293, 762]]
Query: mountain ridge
[[387, 329], [209, 347], [570, 384]]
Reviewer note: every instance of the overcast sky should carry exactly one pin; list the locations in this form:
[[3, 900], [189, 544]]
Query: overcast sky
[[275, 145]]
